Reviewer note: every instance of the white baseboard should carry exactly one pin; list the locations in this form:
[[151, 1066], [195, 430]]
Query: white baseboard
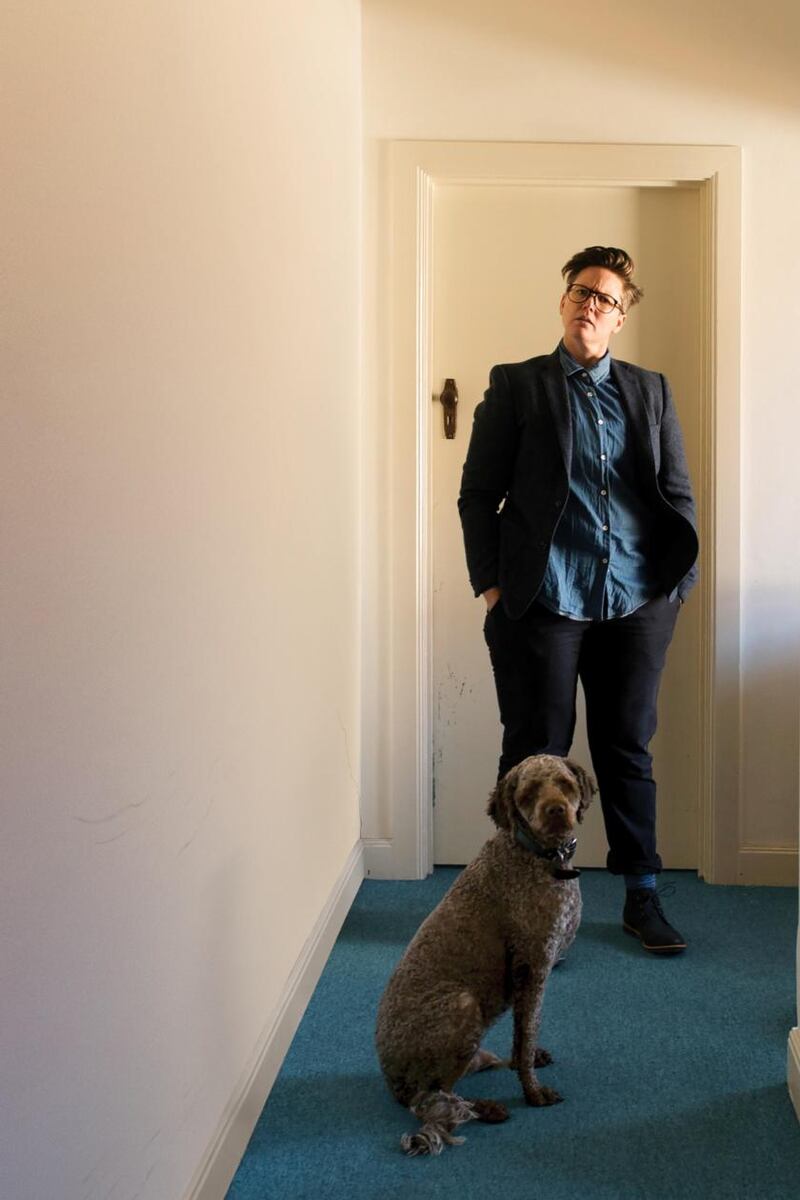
[[765, 866], [771, 866], [213, 1177], [379, 859], [793, 1069], [383, 860]]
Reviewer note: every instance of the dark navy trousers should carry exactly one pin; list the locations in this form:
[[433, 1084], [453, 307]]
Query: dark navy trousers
[[537, 661]]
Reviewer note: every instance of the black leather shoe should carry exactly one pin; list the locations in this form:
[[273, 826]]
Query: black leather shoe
[[644, 917]]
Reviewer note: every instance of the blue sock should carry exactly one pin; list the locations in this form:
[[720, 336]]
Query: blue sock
[[640, 881]]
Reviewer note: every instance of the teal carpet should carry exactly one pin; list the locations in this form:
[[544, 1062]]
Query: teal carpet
[[673, 1070]]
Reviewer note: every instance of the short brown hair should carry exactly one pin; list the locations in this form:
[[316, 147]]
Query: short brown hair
[[613, 259]]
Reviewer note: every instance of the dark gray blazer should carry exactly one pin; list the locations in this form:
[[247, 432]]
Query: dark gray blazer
[[520, 453]]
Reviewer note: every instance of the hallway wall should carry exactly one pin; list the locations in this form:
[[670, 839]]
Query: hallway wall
[[715, 74], [180, 525]]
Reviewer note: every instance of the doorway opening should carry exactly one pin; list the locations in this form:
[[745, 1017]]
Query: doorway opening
[[497, 252]]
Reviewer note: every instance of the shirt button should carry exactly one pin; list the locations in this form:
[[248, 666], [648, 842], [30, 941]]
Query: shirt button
[[600, 421], [590, 394], [605, 528], [603, 492], [603, 457], [605, 560]]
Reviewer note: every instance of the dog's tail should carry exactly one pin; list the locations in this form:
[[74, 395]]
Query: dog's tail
[[441, 1113]]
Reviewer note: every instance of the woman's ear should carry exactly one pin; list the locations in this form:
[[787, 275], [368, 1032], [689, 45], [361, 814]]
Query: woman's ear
[[586, 785], [501, 801]]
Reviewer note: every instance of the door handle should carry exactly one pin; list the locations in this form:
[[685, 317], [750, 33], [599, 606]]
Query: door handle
[[449, 399]]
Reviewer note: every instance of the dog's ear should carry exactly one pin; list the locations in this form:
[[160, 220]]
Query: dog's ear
[[501, 801], [587, 785]]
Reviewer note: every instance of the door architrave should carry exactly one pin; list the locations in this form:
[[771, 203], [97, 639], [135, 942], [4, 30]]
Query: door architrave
[[415, 169]]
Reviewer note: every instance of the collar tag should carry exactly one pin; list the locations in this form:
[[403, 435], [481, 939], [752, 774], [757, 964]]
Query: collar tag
[[558, 856]]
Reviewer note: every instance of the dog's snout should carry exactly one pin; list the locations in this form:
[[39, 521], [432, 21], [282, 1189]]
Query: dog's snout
[[557, 808]]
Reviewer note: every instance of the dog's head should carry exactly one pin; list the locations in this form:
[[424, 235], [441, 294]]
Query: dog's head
[[552, 794]]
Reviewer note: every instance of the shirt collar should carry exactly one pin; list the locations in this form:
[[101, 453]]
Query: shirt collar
[[598, 373]]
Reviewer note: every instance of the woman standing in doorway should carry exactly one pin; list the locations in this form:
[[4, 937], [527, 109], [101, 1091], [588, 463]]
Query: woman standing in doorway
[[579, 527]]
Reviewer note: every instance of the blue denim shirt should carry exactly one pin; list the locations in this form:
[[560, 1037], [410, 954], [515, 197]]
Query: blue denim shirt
[[600, 559]]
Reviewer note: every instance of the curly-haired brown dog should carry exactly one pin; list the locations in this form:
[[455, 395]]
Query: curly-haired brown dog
[[488, 945]]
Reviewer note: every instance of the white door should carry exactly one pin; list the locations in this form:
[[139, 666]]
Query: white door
[[497, 258]]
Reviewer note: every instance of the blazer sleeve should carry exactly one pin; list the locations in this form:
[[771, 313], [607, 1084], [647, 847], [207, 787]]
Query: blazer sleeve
[[486, 479], [673, 476]]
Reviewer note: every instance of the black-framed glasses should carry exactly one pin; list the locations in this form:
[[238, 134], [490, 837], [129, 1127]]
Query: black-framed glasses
[[578, 293]]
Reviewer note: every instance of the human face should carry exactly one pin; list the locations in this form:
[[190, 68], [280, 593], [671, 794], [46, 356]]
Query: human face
[[587, 331]]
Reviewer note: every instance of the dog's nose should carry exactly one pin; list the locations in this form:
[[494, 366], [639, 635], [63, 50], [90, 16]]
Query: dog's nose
[[557, 809]]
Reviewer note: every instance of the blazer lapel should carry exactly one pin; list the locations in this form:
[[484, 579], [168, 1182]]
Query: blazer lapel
[[555, 387], [634, 402]]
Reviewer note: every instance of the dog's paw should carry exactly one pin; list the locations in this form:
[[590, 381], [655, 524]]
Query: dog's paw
[[490, 1111], [542, 1057], [541, 1097]]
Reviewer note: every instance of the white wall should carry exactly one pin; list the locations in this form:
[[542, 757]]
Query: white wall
[[711, 73], [180, 517]]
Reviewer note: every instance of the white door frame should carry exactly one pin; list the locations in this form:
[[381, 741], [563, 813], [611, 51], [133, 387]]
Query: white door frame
[[415, 168]]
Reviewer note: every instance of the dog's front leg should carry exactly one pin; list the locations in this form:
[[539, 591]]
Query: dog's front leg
[[529, 984]]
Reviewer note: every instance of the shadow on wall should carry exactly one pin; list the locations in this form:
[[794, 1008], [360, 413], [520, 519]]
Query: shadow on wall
[[771, 712], [747, 51]]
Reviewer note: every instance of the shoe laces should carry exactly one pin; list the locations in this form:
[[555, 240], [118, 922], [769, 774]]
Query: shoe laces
[[669, 889], [651, 897]]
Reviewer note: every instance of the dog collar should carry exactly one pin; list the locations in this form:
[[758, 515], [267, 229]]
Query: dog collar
[[559, 856]]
